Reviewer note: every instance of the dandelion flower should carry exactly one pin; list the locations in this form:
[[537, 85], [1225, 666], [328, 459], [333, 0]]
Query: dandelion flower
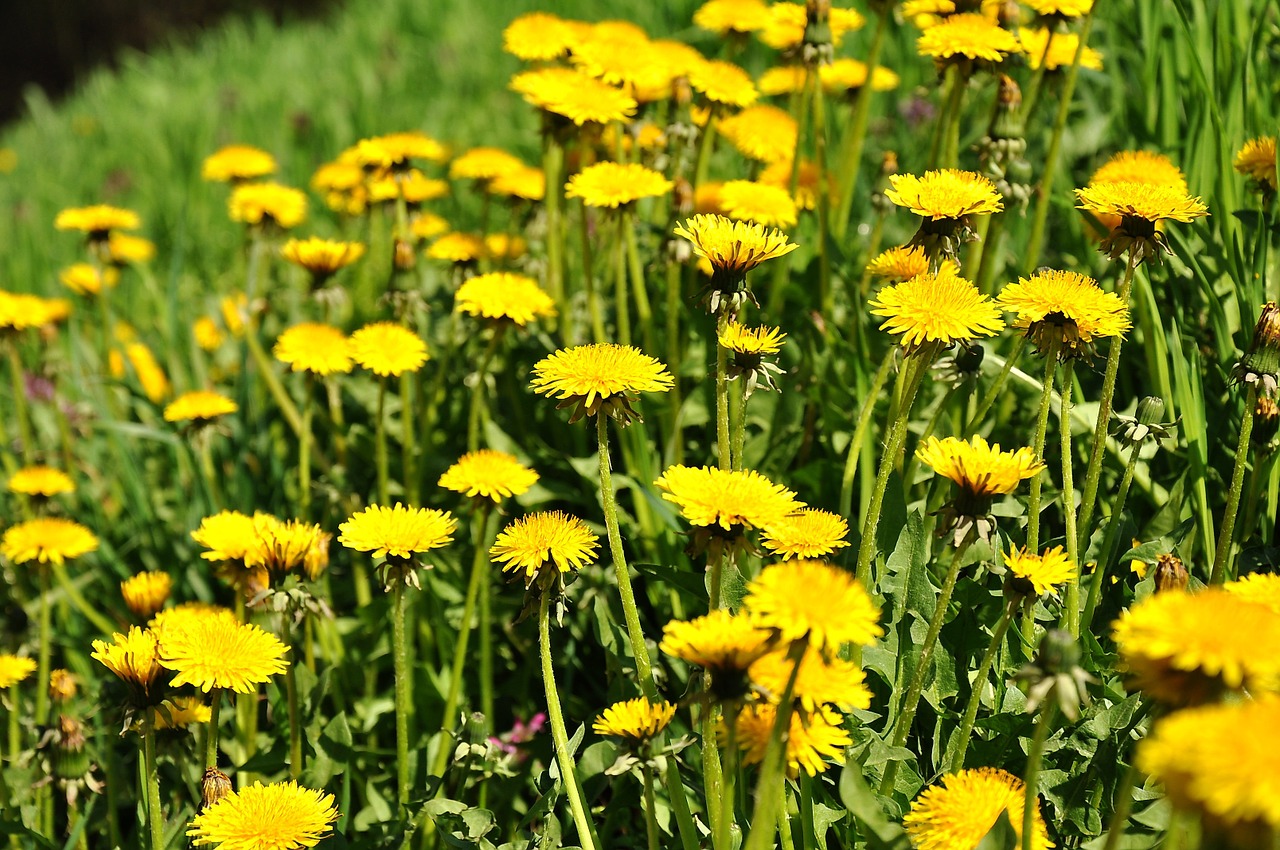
[[762, 203], [1064, 310], [147, 369], [47, 540], [1257, 160], [788, 21], [428, 226], [978, 468], [899, 264], [412, 185], [820, 681], [227, 535], [782, 79], [723, 17], [574, 95], [97, 221], [42, 481], [386, 348], [730, 500], [749, 347], [1262, 588], [484, 163], [936, 308], [321, 257], [13, 669], [762, 132], [528, 184], [124, 248], [280, 816], [1140, 167], [505, 247], [846, 76], [146, 593], [235, 163], [181, 712], [603, 377], [267, 203], [946, 194], [637, 719], [1061, 53], [719, 641], [534, 541], [723, 83], [314, 347], [815, 738], [488, 474], [20, 311], [1140, 208], [281, 546], [1062, 8], [393, 151], [959, 811], [211, 651], [733, 249], [85, 279], [612, 184], [457, 248], [1039, 574], [134, 657], [397, 532], [538, 37], [813, 601], [181, 616], [199, 407], [968, 35], [809, 533], [63, 684]]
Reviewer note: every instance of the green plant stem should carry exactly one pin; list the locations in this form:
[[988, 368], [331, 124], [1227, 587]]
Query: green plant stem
[[1121, 807], [20, 401], [479, 569], [1031, 802], [918, 365], [979, 683], [1044, 189], [211, 737], [1071, 600], [728, 788], [635, 634], [1093, 472], [764, 818], [644, 310], [996, 388], [295, 716], [621, 296], [486, 648], [740, 426], [477, 411], [785, 838], [73, 594], [403, 697], [598, 333], [950, 156], [856, 134], [1109, 540], [826, 296], [1037, 446], [408, 442], [1037, 82], [854, 450], [552, 165], [267, 370], [380, 444], [45, 650], [560, 737], [1222, 553], [204, 459], [722, 394], [650, 810], [675, 354], [915, 686], [990, 253], [706, 143], [155, 817], [304, 450]]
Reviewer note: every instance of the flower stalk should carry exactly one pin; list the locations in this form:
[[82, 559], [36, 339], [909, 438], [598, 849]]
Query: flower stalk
[[155, 817], [1031, 802], [1222, 552], [854, 451], [1072, 596], [1042, 430], [403, 694], [856, 134], [1109, 540], [979, 683]]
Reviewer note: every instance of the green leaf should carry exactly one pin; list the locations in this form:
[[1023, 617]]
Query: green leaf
[[862, 802], [1001, 835]]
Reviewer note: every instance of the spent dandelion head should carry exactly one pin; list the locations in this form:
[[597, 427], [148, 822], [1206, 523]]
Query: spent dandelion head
[[814, 741], [761, 203], [980, 471], [1036, 575], [723, 644], [280, 816], [199, 408], [209, 650], [543, 547], [1257, 161], [488, 474], [813, 601], [968, 37], [504, 298], [1064, 312], [1259, 367], [145, 593], [399, 534], [808, 533], [820, 681], [388, 349], [314, 347], [936, 310], [47, 540], [723, 504], [751, 351], [42, 482], [237, 164], [636, 720], [267, 205], [600, 379], [14, 669], [945, 200], [733, 249], [1140, 209], [959, 811]]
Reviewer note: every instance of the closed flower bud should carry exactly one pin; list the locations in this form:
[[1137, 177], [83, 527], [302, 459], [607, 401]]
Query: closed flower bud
[[1170, 574], [1260, 365], [214, 785], [1150, 410], [62, 685], [70, 759], [1266, 422]]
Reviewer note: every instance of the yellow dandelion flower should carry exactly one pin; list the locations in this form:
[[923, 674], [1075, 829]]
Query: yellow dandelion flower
[[599, 378], [505, 246], [636, 719], [731, 16], [1061, 48], [849, 75], [397, 532], [538, 37], [124, 248], [86, 279], [227, 535], [1066, 310], [147, 369], [980, 469], [237, 162], [956, 813], [504, 296], [42, 481], [1262, 588], [181, 712], [180, 616], [528, 184], [281, 546], [280, 816], [809, 533], [734, 247], [211, 651], [723, 83], [343, 175], [321, 257], [574, 95], [969, 35], [761, 203], [234, 312], [815, 740], [386, 348], [625, 57], [942, 307], [782, 79], [1183, 648], [901, 263], [1145, 201], [945, 194], [47, 540], [740, 339], [13, 669], [1039, 573], [199, 406], [393, 151], [267, 203], [134, 657], [457, 248], [1223, 761], [718, 641], [146, 593], [427, 225], [1140, 167], [63, 684], [1061, 8], [488, 474], [1257, 159], [314, 347], [534, 541], [761, 132], [484, 163], [820, 681], [207, 334], [814, 601], [97, 221], [787, 23], [732, 500], [20, 311], [612, 184], [412, 185]]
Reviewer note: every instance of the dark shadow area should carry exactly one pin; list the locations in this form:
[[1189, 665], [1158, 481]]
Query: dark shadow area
[[52, 43]]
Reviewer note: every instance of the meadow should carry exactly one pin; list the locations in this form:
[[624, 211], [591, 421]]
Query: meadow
[[738, 425]]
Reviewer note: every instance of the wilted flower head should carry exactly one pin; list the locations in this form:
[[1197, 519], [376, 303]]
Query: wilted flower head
[[1260, 365]]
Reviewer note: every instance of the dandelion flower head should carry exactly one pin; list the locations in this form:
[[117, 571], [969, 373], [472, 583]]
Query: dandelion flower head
[[956, 813], [719, 641], [146, 593], [97, 221], [815, 601], [534, 541], [816, 738], [723, 17], [488, 474], [945, 194], [199, 406], [636, 719], [457, 248], [388, 349], [761, 203], [538, 37], [235, 163], [1067, 307], [42, 481], [977, 467], [1061, 46], [723, 83], [14, 668], [314, 347], [267, 203], [321, 257], [762, 132], [1041, 573], [280, 816], [820, 680], [211, 651], [601, 376], [730, 500], [133, 657], [1257, 159], [809, 533], [484, 163], [1140, 167], [1262, 588], [969, 35], [47, 540], [613, 184], [936, 308], [398, 531]]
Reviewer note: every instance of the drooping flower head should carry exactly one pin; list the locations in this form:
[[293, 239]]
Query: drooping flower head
[[47, 540], [939, 309], [209, 650], [280, 816], [980, 471], [134, 658], [959, 811], [603, 378], [762, 132], [808, 533], [723, 644], [504, 297], [314, 347], [1064, 312], [944, 200], [237, 163], [14, 668], [44, 482], [544, 547], [1257, 161], [1031, 574], [814, 601], [322, 258], [724, 504], [814, 741], [751, 351], [488, 474], [969, 36], [733, 248], [199, 407], [146, 593], [1140, 208], [98, 221], [399, 533], [637, 720], [388, 349], [267, 204]]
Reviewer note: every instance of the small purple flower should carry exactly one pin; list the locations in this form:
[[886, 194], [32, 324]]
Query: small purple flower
[[38, 387], [916, 110], [520, 733]]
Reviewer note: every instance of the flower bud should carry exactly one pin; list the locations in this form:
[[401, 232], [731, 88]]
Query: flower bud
[[62, 685], [70, 758], [1260, 365], [1150, 410], [1266, 422], [213, 787], [1170, 573]]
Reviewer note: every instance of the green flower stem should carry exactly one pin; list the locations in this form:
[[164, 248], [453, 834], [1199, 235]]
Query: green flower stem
[[552, 165], [478, 406], [336, 420], [990, 253], [90, 613], [20, 400], [404, 697], [15, 726], [1072, 597], [1042, 429], [706, 143], [155, 817], [1037, 83], [918, 366], [479, 570], [955, 106], [589, 282], [295, 716], [826, 297], [996, 389], [304, 450], [712, 767], [856, 134], [621, 296], [1122, 806], [689, 835], [785, 838], [211, 736], [202, 447], [568, 776], [1093, 472], [915, 686], [854, 450], [380, 443], [740, 426], [773, 767], [486, 648], [1044, 189], [722, 394], [650, 813], [1109, 540], [1222, 553], [635, 634], [267, 370], [979, 682], [675, 354], [46, 648], [644, 310], [728, 788], [408, 445], [1031, 802]]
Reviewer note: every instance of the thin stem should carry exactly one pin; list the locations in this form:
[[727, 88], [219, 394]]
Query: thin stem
[[1222, 557], [785, 838], [773, 767], [644, 310], [675, 353], [560, 737], [854, 450], [915, 686], [825, 295], [856, 134], [706, 142], [740, 426], [728, 788], [204, 452], [1109, 539], [211, 737], [68, 587], [486, 648], [589, 281], [16, 375], [1031, 802], [1121, 807], [408, 443], [478, 406], [650, 810], [951, 132], [404, 699], [295, 717], [990, 253], [979, 683], [722, 394], [155, 817], [304, 450], [552, 164], [45, 651], [1042, 429], [621, 298], [1072, 597], [380, 443], [996, 388]]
